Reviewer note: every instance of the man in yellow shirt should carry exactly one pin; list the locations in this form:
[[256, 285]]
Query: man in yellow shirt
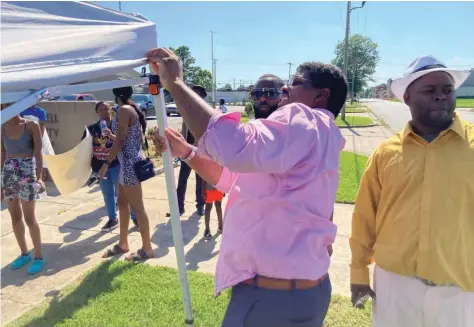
[[414, 214]]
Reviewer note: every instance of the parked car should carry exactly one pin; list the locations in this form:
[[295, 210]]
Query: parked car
[[172, 109], [76, 97], [144, 102]]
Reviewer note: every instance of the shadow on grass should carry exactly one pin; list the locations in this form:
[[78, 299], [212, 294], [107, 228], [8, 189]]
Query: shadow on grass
[[97, 282]]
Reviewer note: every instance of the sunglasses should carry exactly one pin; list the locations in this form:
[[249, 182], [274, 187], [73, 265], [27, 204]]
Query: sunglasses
[[270, 94], [297, 80]]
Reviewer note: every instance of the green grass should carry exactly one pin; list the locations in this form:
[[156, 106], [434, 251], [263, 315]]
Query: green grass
[[244, 119], [118, 294], [394, 100], [464, 103], [354, 121], [351, 169], [355, 110]]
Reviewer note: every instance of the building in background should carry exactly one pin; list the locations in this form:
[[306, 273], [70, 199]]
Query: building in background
[[466, 90], [380, 91]]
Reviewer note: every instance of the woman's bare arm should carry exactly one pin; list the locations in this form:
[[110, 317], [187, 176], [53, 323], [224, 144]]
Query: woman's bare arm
[[124, 116], [35, 131]]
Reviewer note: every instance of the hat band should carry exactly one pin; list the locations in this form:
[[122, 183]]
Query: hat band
[[428, 67]]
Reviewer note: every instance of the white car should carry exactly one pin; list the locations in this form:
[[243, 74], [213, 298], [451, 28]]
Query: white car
[[171, 109]]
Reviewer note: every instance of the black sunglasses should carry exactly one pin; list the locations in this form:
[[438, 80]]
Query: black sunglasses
[[270, 94], [297, 81]]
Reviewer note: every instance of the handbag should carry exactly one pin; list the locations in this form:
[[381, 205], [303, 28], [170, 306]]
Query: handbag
[[144, 169]]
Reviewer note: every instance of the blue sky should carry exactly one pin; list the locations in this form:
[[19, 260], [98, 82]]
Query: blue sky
[[254, 38]]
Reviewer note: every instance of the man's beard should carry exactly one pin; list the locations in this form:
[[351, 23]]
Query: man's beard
[[266, 114]]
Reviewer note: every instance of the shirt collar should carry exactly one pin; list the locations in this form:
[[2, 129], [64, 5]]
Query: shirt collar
[[327, 112], [456, 126]]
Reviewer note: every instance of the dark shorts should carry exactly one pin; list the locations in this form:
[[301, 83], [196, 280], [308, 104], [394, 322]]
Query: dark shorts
[[251, 306]]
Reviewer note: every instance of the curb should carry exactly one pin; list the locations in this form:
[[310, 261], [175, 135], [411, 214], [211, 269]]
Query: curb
[[381, 121], [358, 126], [345, 202]]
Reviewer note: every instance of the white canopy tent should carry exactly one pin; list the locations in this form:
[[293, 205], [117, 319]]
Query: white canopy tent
[[47, 46]]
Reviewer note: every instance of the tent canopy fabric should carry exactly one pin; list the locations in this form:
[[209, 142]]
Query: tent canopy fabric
[[46, 44]]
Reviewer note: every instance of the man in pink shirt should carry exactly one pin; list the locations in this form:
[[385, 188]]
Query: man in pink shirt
[[281, 174]]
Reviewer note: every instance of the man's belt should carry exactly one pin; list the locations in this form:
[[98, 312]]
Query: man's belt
[[283, 284]]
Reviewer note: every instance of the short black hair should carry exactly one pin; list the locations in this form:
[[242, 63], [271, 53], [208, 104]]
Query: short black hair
[[200, 90], [328, 76], [222, 101], [272, 78], [98, 105]]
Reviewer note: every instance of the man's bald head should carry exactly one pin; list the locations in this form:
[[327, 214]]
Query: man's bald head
[[266, 95]]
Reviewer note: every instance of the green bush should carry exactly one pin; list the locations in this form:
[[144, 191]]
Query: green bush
[[244, 101], [249, 109]]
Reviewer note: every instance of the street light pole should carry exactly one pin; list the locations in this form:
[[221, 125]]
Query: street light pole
[[289, 69], [213, 75], [346, 51], [120, 6]]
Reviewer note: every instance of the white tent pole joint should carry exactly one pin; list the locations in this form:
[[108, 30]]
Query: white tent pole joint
[[156, 89]]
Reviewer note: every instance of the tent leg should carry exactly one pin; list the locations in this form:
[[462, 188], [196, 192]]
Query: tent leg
[[174, 211]]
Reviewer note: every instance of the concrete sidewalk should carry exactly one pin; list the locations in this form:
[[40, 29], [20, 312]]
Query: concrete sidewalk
[[73, 242]]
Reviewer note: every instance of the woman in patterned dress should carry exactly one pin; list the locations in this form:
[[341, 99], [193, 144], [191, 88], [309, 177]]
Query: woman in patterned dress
[[129, 127]]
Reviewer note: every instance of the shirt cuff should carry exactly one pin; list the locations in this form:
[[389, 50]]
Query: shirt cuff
[[360, 276], [225, 181]]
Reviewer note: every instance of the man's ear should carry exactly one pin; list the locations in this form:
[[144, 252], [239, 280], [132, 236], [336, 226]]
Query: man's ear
[[406, 97], [322, 96]]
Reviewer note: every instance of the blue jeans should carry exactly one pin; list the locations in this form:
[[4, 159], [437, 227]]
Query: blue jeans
[[184, 172], [252, 306], [109, 188]]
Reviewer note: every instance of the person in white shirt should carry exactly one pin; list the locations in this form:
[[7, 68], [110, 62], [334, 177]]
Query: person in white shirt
[[222, 106]]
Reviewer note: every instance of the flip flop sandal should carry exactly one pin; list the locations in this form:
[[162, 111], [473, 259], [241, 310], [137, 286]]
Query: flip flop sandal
[[116, 250], [139, 256]]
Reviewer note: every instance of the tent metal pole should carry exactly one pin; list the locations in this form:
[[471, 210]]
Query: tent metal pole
[[22, 104], [160, 110]]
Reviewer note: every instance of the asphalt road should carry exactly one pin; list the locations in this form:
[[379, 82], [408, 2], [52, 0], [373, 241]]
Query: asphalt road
[[397, 114]]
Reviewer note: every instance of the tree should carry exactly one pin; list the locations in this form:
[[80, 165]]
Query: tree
[[193, 75], [202, 77], [226, 87], [363, 58], [188, 60]]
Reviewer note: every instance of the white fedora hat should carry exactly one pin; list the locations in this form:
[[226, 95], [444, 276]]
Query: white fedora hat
[[422, 66]]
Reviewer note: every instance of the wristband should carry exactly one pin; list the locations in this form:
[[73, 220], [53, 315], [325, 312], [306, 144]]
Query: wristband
[[191, 155]]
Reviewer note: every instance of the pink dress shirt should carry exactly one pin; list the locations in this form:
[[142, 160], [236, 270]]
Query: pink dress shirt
[[282, 175]]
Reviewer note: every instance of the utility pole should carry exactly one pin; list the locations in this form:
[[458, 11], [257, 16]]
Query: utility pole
[[289, 70], [120, 6], [352, 88], [234, 84], [346, 47], [213, 74]]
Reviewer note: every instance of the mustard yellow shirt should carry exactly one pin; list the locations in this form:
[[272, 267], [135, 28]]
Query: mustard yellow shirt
[[414, 213]]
